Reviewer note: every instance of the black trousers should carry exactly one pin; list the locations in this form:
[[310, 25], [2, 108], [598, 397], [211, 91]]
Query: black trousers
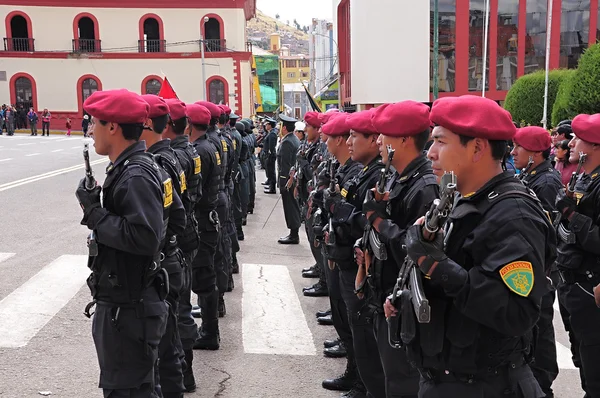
[[545, 365], [291, 209], [365, 345], [127, 349], [316, 250], [204, 277], [401, 379], [514, 383], [584, 319], [188, 329], [251, 186], [271, 177], [223, 253]]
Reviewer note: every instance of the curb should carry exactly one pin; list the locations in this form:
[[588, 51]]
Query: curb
[[54, 132]]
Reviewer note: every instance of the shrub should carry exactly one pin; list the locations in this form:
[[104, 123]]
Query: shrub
[[562, 109], [584, 94]]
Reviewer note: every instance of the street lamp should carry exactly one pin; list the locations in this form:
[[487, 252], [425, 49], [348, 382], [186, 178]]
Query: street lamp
[[338, 55], [203, 64]]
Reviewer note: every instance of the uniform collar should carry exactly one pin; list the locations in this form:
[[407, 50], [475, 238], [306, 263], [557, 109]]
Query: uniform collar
[[415, 165], [375, 162], [489, 186], [162, 144], [180, 139], [545, 165], [139, 146], [595, 174]]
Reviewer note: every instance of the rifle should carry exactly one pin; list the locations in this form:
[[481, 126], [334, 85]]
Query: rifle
[[330, 230], [525, 171], [569, 192], [571, 186], [409, 285], [370, 236], [90, 184]]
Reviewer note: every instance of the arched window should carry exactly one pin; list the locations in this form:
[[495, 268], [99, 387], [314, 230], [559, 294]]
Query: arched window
[[24, 93], [88, 87], [214, 33], [18, 30], [151, 34], [216, 91], [153, 86], [86, 34]]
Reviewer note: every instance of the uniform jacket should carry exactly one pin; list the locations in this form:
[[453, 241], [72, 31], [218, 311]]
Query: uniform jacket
[[286, 157]]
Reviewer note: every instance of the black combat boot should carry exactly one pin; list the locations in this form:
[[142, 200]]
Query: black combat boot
[[345, 382], [188, 374], [235, 268], [292, 239], [209, 338], [222, 309]]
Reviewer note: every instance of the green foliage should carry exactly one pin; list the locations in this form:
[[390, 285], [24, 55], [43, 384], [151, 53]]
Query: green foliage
[[525, 100], [585, 85], [562, 107]]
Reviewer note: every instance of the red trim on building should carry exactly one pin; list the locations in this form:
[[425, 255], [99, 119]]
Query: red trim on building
[[221, 25], [555, 38], [76, 26], [147, 79], [522, 43], [79, 90], [237, 79], [249, 6], [225, 83], [462, 47], [593, 22], [235, 55], [8, 19], [493, 46], [161, 26], [343, 19], [13, 90]]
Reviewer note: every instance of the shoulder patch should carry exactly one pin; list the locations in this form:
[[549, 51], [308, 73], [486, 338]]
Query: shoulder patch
[[234, 144], [218, 158], [197, 165], [183, 182], [518, 276], [344, 192], [224, 145], [168, 193]]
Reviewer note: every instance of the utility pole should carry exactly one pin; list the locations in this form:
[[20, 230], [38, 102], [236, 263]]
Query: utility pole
[[548, 40], [436, 48]]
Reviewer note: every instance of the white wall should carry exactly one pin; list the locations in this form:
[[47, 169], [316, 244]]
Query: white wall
[[390, 51], [53, 26], [246, 85], [56, 79]]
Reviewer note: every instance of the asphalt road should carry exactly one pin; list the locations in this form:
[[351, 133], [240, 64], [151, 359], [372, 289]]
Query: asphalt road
[[42, 258]]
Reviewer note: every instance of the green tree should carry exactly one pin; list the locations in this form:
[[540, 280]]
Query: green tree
[[562, 106], [584, 96]]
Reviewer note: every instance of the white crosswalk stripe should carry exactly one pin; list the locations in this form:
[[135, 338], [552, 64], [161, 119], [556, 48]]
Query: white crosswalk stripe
[[5, 256]]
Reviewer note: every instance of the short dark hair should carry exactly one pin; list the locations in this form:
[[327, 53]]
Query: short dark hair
[[201, 127], [232, 122], [179, 125], [213, 121], [421, 140], [290, 126], [223, 118], [131, 131], [160, 123], [546, 153], [498, 147]]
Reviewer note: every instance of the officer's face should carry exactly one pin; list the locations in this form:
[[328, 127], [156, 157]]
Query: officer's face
[[362, 147], [311, 133], [333, 144], [324, 137], [578, 145], [299, 134], [100, 134], [447, 153], [521, 156]]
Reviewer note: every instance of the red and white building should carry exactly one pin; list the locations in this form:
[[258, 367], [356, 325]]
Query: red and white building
[[57, 52]]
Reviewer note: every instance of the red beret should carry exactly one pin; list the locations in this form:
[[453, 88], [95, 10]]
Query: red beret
[[361, 122], [197, 114], [473, 116], [402, 119], [117, 106], [214, 110], [587, 128], [158, 106], [176, 108], [325, 117], [336, 126], [313, 119], [533, 138], [225, 110]]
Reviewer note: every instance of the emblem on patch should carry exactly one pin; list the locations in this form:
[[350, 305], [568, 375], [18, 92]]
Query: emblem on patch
[[197, 165], [518, 276], [218, 158], [344, 192]]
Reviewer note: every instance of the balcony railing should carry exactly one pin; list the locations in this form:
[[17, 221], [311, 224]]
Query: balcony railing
[[86, 46], [18, 44], [152, 46], [248, 46], [214, 45]]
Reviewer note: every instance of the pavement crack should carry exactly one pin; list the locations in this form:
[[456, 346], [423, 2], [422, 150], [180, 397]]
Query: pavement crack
[[222, 383]]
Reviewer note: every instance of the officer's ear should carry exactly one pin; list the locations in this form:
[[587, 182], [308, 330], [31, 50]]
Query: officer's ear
[[478, 147]]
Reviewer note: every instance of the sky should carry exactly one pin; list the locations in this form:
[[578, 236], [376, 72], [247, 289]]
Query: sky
[[302, 10]]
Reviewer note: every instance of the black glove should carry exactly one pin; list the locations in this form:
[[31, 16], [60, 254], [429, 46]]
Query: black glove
[[88, 200], [332, 201], [565, 206], [372, 205], [417, 246]]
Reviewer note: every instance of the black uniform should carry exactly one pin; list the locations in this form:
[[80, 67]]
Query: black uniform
[[579, 265], [126, 282], [485, 297], [545, 181], [411, 193], [286, 158], [203, 266], [252, 145], [269, 154], [244, 184]]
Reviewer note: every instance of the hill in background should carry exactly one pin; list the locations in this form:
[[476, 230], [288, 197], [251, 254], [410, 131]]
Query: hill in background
[[292, 34]]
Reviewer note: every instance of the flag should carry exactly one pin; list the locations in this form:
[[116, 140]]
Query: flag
[[312, 101], [166, 90]]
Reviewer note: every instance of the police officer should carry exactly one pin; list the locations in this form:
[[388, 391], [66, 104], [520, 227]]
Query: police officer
[[203, 266], [238, 175], [127, 284], [531, 154], [244, 188], [485, 277], [411, 188], [348, 225], [251, 162], [170, 352], [223, 254], [286, 158], [578, 257], [338, 132], [190, 239], [269, 154]]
